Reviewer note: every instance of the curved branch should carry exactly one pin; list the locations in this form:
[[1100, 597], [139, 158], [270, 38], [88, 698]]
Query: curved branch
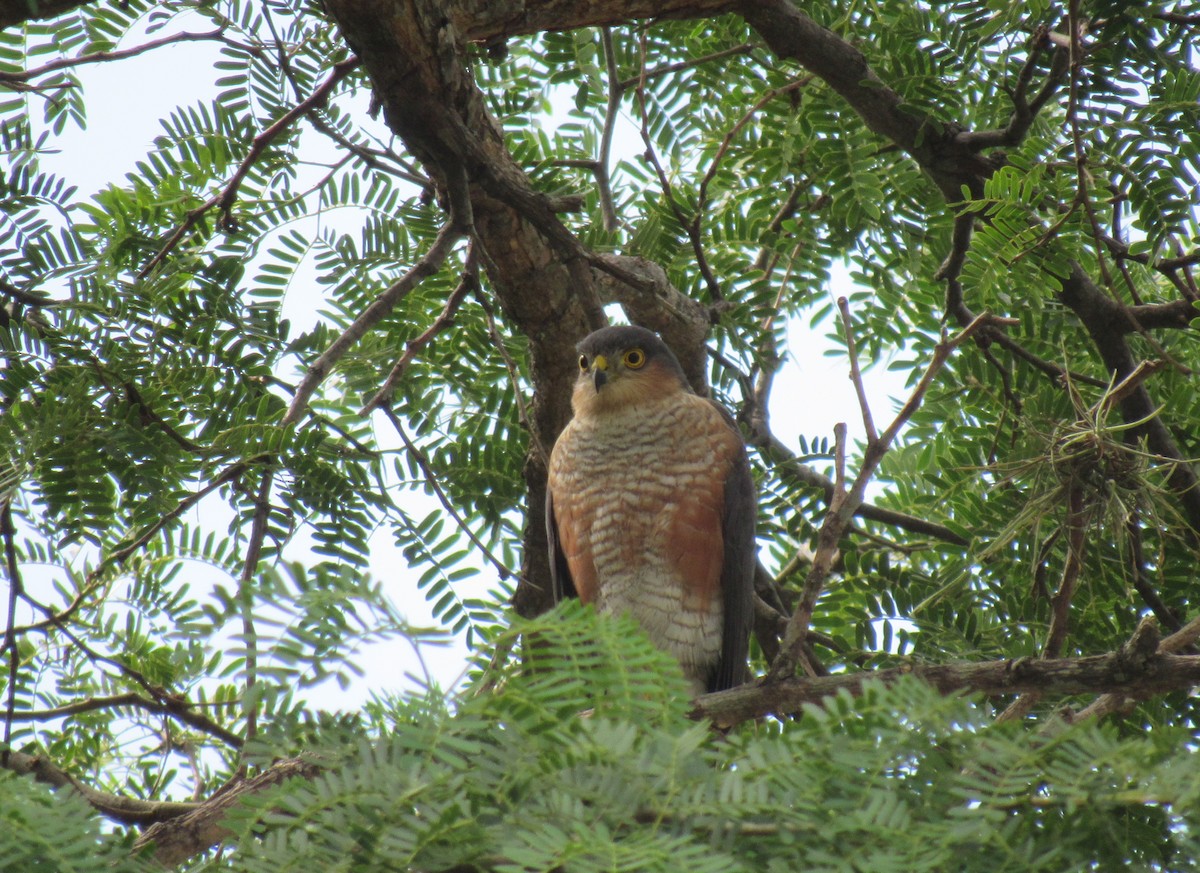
[[126, 810], [226, 198], [103, 57], [172, 705]]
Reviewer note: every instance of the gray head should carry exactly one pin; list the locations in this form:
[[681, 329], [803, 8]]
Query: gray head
[[623, 365]]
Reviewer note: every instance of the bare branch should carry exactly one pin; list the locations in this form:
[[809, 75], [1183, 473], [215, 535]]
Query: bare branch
[[855, 372], [258, 533], [1078, 514], [778, 453], [846, 502], [168, 704]]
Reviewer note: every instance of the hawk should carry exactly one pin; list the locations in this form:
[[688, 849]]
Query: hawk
[[650, 506]]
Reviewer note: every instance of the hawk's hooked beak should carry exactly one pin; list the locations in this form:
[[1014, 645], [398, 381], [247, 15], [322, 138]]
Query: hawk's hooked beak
[[599, 371]]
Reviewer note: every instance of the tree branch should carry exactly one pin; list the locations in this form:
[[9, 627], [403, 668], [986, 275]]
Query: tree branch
[[452, 231], [468, 282], [126, 810], [1024, 112], [1115, 673], [846, 502], [226, 198], [103, 57], [193, 830]]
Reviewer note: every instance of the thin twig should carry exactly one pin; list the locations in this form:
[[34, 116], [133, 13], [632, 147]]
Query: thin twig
[[776, 451], [514, 379], [603, 183], [468, 282], [119, 55], [739, 125], [432, 479], [118, 556], [1076, 529], [855, 372], [379, 309], [690, 226], [680, 66], [258, 533], [1137, 567], [258, 145]]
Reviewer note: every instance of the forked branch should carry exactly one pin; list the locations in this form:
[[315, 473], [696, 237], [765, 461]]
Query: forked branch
[[846, 501]]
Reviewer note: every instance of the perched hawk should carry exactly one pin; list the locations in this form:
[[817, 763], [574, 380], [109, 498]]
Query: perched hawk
[[650, 507]]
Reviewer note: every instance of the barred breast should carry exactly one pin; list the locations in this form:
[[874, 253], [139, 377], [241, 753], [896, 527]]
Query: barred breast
[[644, 495]]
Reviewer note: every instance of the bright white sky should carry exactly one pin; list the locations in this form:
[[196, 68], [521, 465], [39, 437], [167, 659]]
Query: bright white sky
[[126, 100]]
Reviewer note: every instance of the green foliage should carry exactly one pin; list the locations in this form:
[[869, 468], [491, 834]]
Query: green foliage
[[45, 832], [556, 772]]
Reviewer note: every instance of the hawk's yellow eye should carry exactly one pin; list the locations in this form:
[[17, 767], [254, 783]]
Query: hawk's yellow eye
[[583, 362], [634, 358]]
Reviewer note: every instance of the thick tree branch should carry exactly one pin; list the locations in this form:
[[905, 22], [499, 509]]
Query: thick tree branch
[[126, 810], [492, 20], [935, 147], [1120, 672], [199, 827]]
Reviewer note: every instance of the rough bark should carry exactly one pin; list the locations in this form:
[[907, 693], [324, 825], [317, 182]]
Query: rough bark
[[417, 63], [1139, 669], [489, 20], [185, 836]]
